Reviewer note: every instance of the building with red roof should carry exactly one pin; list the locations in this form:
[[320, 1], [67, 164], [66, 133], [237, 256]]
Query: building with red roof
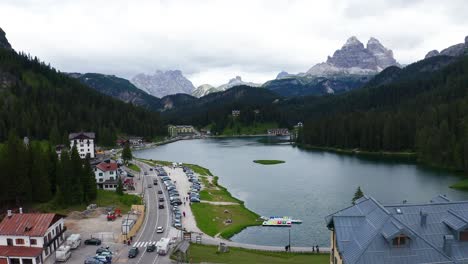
[[106, 174], [30, 238]]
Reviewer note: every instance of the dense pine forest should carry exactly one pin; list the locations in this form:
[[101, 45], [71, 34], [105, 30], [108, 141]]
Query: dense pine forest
[[420, 110], [32, 173], [39, 102]]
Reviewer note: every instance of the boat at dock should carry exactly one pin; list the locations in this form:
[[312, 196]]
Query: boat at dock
[[279, 221]]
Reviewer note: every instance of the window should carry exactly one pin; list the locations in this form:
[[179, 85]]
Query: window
[[19, 241], [101, 180], [46, 251], [111, 178], [111, 173], [33, 241], [400, 241], [100, 174], [38, 260], [14, 261], [9, 242], [27, 261], [464, 235]]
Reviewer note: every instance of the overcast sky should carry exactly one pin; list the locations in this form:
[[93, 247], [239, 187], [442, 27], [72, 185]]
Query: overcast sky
[[212, 41]]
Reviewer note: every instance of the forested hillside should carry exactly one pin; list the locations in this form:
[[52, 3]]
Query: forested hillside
[[39, 102], [423, 108]]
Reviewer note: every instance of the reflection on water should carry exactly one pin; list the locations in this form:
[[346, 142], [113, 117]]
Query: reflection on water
[[309, 186]]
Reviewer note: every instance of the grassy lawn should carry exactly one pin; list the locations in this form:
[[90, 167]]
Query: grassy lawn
[[199, 169], [134, 167], [210, 218], [239, 129], [204, 253], [269, 162], [104, 199], [216, 193], [461, 185], [156, 162]]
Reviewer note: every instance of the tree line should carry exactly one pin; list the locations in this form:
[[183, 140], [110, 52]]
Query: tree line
[[33, 173], [426, 114], [39, 102]]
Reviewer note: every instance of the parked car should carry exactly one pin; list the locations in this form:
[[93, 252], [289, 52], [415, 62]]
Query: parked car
[[194, 200], [151, 248], [92, 260], [93, 241], [161, 206], [103, 259], [133, 252], [176, 202], [159, 229], [177, 223], [102, 249], [159, 191]]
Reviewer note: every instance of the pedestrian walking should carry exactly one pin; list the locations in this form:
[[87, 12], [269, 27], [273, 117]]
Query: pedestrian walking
[[317, 248], [183, 213]]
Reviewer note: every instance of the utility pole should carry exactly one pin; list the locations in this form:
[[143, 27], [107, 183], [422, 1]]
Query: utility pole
[[289, 231]]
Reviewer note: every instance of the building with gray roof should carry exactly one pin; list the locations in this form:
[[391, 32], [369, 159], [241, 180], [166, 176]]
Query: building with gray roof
[[369, 233]]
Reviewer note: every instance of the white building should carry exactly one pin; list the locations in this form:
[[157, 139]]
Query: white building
[[106, 175], [84, 142], [30, 238]]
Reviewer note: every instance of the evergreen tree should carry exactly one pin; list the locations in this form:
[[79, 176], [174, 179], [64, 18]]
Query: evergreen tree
[[127, 153], [89, 183], [358, 194], [41, 191], [119, 189], [76, 170]]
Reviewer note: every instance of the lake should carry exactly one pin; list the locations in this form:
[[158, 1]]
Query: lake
[[309, 186]]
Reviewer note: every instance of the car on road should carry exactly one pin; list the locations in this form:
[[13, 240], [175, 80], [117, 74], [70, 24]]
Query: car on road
[[133, 252], [155, 182], [151, 248], [161, 206], [159, 229], [159, 191], [150, 185], [93, 241], [92, 260], [161, 199]]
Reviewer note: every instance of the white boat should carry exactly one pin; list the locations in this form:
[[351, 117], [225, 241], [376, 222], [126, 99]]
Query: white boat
[[296, 221]]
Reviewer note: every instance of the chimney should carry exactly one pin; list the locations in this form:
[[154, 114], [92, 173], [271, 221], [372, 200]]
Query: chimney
[[9, 214], [423, 218], [21, 210], [448, 243]]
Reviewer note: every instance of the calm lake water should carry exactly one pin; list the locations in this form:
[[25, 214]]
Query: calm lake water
[[309, 186]]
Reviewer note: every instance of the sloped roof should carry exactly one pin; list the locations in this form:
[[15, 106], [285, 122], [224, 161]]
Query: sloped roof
[[82, 135], [14, 251], [364, 232], [27, 224], [104, 166]]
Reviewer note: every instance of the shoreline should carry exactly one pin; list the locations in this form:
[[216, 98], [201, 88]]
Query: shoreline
[[216, 198]]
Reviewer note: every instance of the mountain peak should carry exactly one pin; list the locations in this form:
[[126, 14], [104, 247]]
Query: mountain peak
[[353, 41], [3, 40], [374, 41], [163, 83]]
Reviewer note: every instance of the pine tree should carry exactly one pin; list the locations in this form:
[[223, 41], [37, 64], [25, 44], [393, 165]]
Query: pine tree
[[41, 191], [127, 153], [358, 194], [89, 183], [76, 165], [119, 189]]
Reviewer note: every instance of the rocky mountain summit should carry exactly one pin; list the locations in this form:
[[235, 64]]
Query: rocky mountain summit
[[206, 89], [163, 83], [354, 58], [3, 40], [452, 51]]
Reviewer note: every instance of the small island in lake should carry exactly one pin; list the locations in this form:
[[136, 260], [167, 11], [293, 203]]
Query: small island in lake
[[269, 162]]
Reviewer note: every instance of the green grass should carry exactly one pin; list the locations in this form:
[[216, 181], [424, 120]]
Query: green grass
[[461, 185], [210, 218], [238, 129], [199, 169], [134, 167], [156, 162], [204, 253], [104, 199], [269, 162]]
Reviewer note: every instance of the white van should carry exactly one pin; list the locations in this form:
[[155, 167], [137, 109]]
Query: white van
[[62, 254], [162, 247], [73, 241]]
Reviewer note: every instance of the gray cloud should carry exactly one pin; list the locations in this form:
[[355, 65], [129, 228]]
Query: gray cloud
[[214, 40]]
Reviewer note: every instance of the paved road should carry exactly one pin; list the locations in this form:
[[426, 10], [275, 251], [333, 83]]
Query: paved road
[[154, 217]]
